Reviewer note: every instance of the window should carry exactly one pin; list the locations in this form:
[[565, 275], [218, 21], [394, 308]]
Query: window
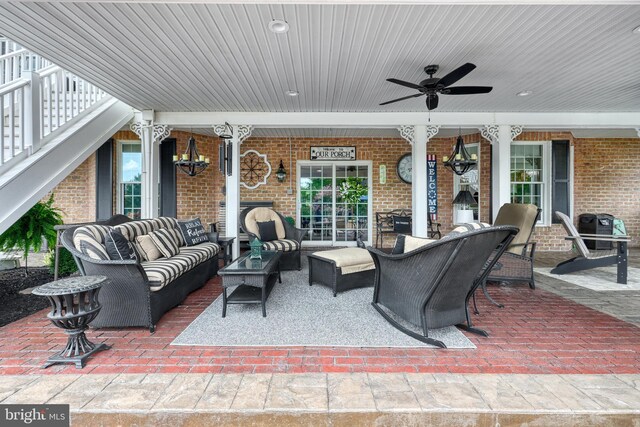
[[130, 179], [470, 181], [531, 176]]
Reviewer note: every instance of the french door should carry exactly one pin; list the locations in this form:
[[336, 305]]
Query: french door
[[330, 219]]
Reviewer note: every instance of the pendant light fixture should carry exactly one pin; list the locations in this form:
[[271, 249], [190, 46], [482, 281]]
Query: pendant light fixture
[[281, 173], [191, 162], [460, 161]]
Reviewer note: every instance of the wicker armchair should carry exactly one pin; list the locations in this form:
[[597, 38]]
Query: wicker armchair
[[515, 265], [290, 244], [430, 286]]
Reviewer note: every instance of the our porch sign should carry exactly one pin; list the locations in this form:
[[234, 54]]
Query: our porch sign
[[333, 153], [432, 187]]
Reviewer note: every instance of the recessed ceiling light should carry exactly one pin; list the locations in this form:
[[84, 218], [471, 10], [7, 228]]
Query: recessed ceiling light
[[278, 26], [292, 93], [524, 93], [636, 30]]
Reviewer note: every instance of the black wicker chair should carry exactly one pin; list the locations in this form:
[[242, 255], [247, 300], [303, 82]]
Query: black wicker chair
[[290, 245], [430, 286]]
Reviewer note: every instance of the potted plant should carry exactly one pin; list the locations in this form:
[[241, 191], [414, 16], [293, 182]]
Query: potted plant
[[27, 232]]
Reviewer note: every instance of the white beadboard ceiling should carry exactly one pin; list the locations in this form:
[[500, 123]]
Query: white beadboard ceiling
[[221, 57]]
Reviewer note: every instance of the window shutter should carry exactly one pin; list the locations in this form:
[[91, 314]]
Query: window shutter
[[104, 181], [560, 178], [168, 198]]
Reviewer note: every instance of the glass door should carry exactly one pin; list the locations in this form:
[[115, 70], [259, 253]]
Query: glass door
[[316, 201], [352, 203], [333, 202]]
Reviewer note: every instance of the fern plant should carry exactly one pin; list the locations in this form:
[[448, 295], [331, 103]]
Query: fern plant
[[28, 231]]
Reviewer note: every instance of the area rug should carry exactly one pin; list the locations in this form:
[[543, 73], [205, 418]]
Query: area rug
[[598, 279], [300, 315]]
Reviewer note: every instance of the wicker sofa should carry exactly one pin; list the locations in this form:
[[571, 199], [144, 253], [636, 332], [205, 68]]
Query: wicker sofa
[[139, 292]]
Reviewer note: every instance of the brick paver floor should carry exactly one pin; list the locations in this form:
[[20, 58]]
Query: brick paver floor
[[538, 332]]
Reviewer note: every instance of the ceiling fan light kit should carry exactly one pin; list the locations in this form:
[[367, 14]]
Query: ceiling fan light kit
[[433, 86]]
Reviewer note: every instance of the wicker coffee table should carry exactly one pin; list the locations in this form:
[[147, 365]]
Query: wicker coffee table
[[253, 278]]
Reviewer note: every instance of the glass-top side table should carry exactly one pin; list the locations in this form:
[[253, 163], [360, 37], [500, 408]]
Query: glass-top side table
[[74, 304]]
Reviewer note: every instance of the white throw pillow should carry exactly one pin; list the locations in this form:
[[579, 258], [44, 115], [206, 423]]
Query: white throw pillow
[[412, 243]]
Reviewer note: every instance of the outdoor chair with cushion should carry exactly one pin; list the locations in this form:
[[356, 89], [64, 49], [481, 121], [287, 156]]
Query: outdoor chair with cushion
[[399, 221], [587, 259], [275, 233], [516, 263], [429, 286]]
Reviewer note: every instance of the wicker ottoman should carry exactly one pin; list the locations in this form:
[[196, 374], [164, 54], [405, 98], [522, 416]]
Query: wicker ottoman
[[342, 269]]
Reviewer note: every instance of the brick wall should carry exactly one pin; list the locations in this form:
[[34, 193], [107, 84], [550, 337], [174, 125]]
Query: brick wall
[[76, 194], [604, 170]]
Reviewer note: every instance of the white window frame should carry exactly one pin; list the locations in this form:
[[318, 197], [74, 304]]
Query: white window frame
[[545, 216], [334, 242], [119, 182], [456, 182]]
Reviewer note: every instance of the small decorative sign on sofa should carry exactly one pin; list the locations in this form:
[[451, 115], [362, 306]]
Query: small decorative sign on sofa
[[333, 153]]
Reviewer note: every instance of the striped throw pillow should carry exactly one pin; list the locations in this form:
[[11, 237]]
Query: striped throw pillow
[[165, 241]]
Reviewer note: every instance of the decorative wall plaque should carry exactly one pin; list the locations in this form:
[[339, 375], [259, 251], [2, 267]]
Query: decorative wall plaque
[[333, 153], [254, 169]]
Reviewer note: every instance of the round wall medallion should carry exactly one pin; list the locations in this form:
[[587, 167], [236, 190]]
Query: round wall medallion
[[254, 169], [404, 168]]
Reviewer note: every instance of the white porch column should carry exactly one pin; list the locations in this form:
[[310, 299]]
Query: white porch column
[[32, 109], [500, 137], [151, 136], [418, 136], [232, 203]]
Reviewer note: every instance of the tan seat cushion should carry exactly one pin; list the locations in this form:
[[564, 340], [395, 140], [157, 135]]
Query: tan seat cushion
[[350, 260], [261, 215], [412, 243]]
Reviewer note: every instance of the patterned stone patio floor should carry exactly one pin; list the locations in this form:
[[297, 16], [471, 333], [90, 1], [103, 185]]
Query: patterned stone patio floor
[[538, 332]]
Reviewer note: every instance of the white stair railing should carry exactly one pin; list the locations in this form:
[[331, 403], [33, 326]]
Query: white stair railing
[[14, 60], [37, 105]]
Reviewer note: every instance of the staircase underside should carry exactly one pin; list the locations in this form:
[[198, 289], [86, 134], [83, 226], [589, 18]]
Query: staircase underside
[[32, 178]]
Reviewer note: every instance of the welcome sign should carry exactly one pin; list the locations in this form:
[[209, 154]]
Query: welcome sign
[[432, 187], [333, 153]]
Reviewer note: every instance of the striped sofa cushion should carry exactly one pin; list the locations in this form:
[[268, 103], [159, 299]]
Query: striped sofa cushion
[[162, 271], [89, 240], [166, 242], [283, 245], [133, 229]]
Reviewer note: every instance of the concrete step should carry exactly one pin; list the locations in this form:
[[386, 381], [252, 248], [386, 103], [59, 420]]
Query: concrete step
[[334, 399]]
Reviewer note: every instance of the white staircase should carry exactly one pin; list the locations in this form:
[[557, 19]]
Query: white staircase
[[50, 122]]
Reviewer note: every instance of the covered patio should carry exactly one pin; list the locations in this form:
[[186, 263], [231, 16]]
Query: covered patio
[[286, 104]]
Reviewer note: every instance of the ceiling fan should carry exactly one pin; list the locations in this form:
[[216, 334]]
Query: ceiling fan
[[433, 86]]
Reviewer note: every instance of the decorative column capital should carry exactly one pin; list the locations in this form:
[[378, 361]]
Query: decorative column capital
[[159, 132], [407, 132], [515, 131], [244, 131], [490, 133], [432, 130]]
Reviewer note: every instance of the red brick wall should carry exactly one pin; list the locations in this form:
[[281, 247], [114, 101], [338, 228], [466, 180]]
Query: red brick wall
[[76, 194], [598, 186]]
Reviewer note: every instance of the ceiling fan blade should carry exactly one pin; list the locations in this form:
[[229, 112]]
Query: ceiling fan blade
[[466, 90], [456, 74], [432, 102], [406, 84], [403, 98]]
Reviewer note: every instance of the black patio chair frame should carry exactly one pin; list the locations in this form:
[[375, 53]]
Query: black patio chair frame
[[430, 287]]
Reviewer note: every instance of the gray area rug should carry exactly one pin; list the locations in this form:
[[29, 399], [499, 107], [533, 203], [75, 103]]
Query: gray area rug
[[300, 315], [598, 279]]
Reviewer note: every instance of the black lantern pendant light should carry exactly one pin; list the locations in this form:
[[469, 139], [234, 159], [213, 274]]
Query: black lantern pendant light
[[191, 162], [460, 161], [281, 173]]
